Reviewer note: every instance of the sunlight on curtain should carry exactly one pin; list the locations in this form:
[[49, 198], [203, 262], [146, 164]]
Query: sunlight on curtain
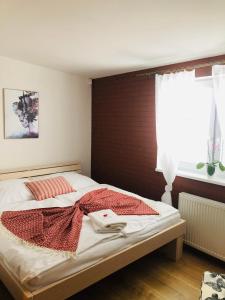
[[173, 92], [183, 123], [190, 123]]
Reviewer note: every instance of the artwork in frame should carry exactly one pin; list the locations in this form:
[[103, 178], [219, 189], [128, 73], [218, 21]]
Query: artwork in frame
[[21, 109]]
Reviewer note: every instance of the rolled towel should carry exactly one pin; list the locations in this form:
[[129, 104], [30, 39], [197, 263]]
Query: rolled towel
[[105, 221]]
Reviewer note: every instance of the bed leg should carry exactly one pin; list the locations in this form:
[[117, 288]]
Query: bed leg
[[174, 249]]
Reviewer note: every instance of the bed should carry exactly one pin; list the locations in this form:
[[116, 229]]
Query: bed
[[30, 274]]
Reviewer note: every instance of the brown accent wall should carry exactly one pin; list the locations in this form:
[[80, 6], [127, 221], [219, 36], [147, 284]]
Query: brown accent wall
[[124, 140]]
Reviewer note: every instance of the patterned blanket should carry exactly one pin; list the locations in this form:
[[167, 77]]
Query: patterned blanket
[[59, 228], [213, 286]]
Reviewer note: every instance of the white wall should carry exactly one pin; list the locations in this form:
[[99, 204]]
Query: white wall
[[64, 117]]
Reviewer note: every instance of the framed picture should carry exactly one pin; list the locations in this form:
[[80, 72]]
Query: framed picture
[[21, 113]]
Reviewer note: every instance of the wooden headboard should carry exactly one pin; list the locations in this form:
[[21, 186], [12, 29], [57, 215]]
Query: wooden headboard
[[40, 170]]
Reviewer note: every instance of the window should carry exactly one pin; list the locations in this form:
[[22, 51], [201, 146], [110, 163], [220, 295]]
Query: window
[[201, 139]]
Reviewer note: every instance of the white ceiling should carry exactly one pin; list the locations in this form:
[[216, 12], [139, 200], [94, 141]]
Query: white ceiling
[[104, 37]]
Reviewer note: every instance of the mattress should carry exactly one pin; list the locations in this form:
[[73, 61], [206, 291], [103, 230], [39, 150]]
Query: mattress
[[35, 268]]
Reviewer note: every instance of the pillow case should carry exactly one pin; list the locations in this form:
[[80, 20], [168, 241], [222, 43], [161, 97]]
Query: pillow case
[[14, 190], [49, 188], [78, 181]]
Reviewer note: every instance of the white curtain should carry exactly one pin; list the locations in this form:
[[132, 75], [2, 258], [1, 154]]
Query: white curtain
[[172, 94], [218, 73]]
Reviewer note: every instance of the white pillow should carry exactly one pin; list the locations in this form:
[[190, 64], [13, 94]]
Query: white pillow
[[77, 181], [14, 190]]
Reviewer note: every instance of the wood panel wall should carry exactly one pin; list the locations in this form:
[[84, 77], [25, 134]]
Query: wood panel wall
[[124, 146]]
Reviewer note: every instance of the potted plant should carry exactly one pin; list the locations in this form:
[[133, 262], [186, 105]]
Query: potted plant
[[211, 166]]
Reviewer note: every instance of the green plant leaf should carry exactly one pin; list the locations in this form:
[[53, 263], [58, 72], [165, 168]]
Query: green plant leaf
[[211, 169], [200, 165], [221, 166]]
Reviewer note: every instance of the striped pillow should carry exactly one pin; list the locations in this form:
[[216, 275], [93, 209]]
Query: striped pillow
[[49, 188]]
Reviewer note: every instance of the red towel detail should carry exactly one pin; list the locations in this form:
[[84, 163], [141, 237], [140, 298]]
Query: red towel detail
[[59, 228]]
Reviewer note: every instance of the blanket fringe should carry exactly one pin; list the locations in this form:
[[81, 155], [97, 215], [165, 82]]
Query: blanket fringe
[[44, 250]]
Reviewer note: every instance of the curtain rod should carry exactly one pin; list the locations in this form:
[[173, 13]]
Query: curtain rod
[[197, 66]]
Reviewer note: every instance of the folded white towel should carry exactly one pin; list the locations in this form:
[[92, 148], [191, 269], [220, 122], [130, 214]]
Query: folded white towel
[[106, 221]]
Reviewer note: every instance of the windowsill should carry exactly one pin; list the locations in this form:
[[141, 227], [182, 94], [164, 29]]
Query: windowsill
[[200, 177]]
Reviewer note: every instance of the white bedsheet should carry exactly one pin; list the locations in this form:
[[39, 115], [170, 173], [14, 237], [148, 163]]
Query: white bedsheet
[[35, 268]]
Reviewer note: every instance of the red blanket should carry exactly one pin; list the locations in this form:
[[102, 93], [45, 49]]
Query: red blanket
[[59, 228]]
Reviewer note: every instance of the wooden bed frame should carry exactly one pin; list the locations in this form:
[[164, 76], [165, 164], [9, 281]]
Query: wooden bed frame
[[170, 239]]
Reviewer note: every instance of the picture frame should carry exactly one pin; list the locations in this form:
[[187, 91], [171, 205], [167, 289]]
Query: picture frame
[[21, 114]]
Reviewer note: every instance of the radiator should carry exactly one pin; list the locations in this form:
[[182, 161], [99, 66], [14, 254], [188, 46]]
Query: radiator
[[205, 224]]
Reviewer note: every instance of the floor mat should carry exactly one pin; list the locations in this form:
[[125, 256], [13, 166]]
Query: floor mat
[[213, 286]]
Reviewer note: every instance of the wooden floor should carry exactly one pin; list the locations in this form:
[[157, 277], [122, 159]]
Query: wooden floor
[[151, 278]]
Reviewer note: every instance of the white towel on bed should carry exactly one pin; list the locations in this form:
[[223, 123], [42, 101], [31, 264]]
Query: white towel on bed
[[106, 221]]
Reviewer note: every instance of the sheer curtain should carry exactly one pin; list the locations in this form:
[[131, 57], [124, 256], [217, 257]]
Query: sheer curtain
[[173, 92], [218, 73]]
